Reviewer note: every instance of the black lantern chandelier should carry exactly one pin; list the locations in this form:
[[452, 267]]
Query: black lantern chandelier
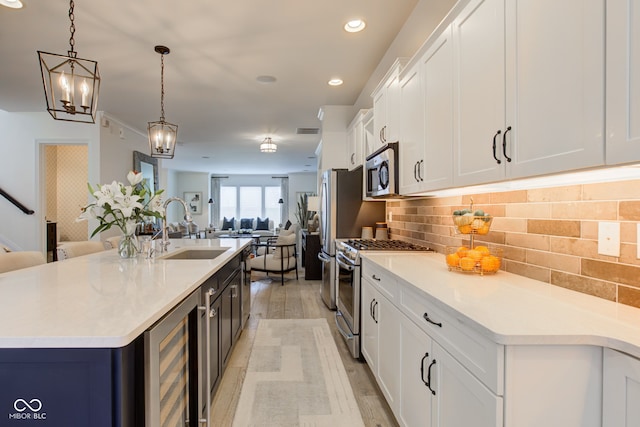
[[162, 135], [71, 84]]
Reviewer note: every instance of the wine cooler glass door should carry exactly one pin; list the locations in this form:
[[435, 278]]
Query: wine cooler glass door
[[171, 384]]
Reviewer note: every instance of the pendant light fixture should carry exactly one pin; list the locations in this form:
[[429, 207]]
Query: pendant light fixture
[[268, 146], [162, 135], [71, 84]]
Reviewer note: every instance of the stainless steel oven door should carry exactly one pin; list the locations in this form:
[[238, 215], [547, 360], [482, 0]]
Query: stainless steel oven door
[[348, 302]]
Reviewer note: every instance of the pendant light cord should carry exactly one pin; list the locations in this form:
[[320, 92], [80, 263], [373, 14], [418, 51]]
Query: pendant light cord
[[72, 30], [162, 87]]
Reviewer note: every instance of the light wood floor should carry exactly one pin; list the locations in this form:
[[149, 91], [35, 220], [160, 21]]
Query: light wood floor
[[297, 299]]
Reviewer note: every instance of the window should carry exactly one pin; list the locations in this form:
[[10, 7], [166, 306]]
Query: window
[[250, 202], [228, 202]]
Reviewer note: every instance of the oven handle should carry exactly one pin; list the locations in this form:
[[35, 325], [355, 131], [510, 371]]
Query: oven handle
[[341, 263], [323, 257], [345, 334]]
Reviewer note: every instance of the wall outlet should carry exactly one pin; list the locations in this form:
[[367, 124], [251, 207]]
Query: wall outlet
[[121, 133], [609, 238]]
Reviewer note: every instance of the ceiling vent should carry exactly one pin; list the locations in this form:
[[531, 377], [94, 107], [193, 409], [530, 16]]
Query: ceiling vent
[[307, 131]]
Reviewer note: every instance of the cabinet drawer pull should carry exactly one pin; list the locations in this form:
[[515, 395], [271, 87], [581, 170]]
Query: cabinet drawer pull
[[494, 146], [429, 377], [428, 319], [504, 144], [213, 313], [374, 277]]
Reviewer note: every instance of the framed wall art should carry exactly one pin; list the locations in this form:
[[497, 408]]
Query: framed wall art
[[194, 202]]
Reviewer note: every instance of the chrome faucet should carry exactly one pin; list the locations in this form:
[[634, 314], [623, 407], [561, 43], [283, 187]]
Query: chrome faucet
[[165, 233]]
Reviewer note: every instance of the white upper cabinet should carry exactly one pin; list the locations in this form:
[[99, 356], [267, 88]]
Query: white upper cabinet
[[386, 107], [529, 88], [412, 122], [426, 119], [356, 138], [623, 81]]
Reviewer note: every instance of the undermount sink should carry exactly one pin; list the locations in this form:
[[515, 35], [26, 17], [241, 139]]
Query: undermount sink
[[194, 254]]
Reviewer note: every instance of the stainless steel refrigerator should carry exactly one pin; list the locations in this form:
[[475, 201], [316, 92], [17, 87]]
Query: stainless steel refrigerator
[[342, 216]]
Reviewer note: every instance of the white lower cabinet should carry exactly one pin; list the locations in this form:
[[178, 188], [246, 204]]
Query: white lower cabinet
[[621, 385], [460, 400], [415, 394], [381, 340]]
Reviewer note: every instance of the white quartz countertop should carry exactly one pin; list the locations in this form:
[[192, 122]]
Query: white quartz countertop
[[515, 310], [100, 300]]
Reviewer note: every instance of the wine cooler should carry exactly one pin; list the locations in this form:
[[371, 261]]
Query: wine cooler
[[171, 374]]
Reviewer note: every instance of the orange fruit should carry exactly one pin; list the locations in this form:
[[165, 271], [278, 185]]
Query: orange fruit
[[483, 249], [490, 263], [453, 260], [474, 254], [467, 264], [465, 229], [483, 230], [462, 251]]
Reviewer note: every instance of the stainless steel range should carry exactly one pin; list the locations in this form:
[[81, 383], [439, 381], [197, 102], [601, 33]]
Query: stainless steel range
[[348, 280]]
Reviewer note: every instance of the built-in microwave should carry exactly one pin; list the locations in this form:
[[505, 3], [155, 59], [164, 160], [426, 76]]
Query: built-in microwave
[[382, 171]]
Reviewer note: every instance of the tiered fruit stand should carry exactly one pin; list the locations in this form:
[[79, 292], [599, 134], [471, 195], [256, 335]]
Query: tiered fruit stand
[[479, 259]]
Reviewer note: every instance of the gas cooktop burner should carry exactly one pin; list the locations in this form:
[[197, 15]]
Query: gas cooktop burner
[[385, 245]]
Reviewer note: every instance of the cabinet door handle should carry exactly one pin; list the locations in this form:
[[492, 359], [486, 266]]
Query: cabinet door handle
[[422, 369], [428, 319], [374, 277], [429, 377], [371, 308], [212, 291], [375, 314], [353, 158], [415, 171], [504, 144], [383, 136], [420, 163], [213, 313], [494, 146]]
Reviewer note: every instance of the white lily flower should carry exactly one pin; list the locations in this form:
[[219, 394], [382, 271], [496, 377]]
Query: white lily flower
[[87, 213], [107, 193], [127, 202], [155, 205], [135, 178]]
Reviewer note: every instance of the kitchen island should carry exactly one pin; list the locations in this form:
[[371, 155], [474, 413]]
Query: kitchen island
[[510, 350], [72, 333]]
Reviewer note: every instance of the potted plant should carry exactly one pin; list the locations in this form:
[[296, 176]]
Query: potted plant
[[302, 213]]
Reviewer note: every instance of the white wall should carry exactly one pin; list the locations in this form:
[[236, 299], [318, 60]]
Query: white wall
[[22, 136], [300, 182], [190, 181]]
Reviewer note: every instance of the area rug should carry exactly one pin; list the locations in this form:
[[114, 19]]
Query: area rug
[[295, 377]]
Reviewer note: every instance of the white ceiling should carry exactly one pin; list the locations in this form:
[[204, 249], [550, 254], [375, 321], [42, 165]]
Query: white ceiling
[[217, 51]]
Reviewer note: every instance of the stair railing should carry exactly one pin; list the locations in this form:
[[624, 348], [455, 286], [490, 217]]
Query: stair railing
[[19, 205]]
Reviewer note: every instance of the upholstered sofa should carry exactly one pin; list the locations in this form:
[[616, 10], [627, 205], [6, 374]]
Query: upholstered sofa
[[266, 227]]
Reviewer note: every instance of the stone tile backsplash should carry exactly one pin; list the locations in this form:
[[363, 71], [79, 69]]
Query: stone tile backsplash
[[548, 234]]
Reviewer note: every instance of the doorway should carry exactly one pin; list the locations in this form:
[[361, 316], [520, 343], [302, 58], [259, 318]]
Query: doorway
[[65, 173]]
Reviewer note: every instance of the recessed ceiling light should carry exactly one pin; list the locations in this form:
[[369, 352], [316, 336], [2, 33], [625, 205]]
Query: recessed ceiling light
[[266, 79], [354, 26], [335, 82], [14, 4]]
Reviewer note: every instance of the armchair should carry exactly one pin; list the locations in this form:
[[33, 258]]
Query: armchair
[[276, 256]]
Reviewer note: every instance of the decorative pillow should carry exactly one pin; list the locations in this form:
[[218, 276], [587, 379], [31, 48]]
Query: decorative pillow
[[262, 224], [246, 223], [287, 225], [285, 251], [229, 223]]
